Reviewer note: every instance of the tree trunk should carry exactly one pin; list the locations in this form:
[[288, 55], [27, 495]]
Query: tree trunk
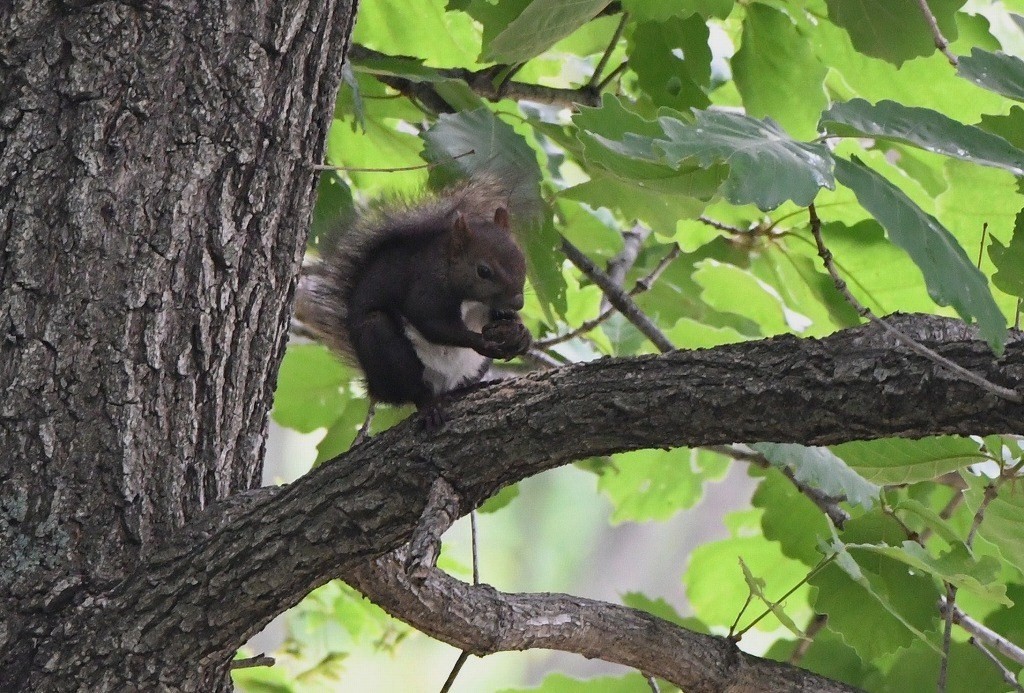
[[156, 184]]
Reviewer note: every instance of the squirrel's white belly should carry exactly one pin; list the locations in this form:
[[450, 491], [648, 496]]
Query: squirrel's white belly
[[446, 368]]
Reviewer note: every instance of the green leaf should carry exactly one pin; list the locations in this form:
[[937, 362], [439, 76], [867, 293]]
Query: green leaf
[[998, 72], [1009, 261], [310, 388], [879, 611], [716, 587], [499, 500], [902, 461], [956, 566], [656, 484], [951, 277], [894, 30], [756, 587], [1010, 126], [672, 61], [442, 39], [731, 289], [1002, 522], [342, 431], [660, 10], [790, 518], [663, 610], [774, 62], [922, 128], [542, 24], [766, 166], [819, 468]]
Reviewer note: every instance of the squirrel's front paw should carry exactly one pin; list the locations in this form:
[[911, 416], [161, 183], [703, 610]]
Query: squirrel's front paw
[[506, 338]]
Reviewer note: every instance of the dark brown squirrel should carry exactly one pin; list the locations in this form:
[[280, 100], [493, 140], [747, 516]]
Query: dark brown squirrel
[[421, 295]]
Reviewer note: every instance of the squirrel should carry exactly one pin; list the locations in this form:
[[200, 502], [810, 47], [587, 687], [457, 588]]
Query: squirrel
[[421, 295]]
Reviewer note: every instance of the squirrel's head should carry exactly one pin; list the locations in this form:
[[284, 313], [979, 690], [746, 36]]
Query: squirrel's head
[[486, 264]]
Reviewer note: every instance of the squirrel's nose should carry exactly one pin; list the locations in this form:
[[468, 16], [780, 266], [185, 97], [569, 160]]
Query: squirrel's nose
[[516, 303]]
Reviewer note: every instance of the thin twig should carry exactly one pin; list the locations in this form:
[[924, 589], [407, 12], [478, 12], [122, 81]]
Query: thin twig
[[735, 624], [707, 221], [463, 656], [610, 78], [984, 634], [981, 246], [826, 503], [619, 266], [945, 514], [619, 298], [947, 639], [913, 345], [596, 77], [1007, 674], [643, 284], [364, 430], [940, 41], [822, 564], [991, 491], [653, 683], [813, 628], [393, 169], [260, 660]]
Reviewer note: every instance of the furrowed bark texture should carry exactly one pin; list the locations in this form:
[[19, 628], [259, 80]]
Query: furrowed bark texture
[[155, 189]]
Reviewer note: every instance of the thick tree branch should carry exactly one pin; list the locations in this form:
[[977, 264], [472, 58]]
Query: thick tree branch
[[856, 384], [483, 621]]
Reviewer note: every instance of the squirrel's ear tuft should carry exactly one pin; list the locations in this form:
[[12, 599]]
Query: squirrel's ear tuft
[[501, 218], [461, 235]]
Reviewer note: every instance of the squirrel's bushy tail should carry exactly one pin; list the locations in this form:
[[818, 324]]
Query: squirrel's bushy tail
[[324, 285]]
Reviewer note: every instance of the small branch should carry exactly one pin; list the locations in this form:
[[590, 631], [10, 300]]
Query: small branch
[[983, 634], [596, 77], [940, 41], [441, 512], [643, 284], [813, 628], [1006, 673], [991, 491], [610, 78], [480, 81], [707, 221], [364, 431], [260, 660], [618, 266], [947, 639], [913, 345], [619, 298], [483, 620], [653, 683], [826, 503], [450, 681]]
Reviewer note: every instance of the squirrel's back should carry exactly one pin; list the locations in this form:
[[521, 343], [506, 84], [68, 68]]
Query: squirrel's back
[[326, 284]]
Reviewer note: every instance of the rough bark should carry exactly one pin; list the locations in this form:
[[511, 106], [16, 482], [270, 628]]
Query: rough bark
[[206, 592], [155, 188], [482, 620]]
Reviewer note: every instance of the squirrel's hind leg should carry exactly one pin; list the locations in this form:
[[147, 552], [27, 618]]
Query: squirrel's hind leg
[[394, 374]]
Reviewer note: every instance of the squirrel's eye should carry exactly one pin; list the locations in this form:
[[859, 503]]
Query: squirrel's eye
[[484, 272]]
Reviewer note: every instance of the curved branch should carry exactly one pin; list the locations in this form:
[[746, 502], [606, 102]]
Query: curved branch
[[267, 554], [483, 620]]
